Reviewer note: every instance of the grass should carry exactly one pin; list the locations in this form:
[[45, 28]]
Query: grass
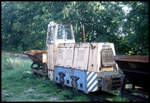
[[19, 84], [116, 98]]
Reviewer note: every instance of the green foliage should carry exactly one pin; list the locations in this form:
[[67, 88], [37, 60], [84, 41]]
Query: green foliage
[[136, 27], [24, 24]]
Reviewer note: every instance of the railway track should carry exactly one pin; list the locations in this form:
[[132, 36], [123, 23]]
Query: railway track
[[94, 97], [97, 98], [100, 96], [134, 98]]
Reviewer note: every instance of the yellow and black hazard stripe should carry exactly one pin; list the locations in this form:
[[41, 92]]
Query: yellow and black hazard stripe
[[92, 82]]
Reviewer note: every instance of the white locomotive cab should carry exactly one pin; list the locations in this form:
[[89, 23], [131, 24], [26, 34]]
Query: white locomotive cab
[[60, 33], [57, 33]]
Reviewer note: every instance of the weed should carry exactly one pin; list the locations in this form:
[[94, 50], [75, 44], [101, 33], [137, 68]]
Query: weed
[[119, 99], [81, 98], [65, 94]]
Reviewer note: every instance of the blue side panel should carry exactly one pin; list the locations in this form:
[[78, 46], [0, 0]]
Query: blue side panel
[[66, 71], [87, 81], [82, 79]]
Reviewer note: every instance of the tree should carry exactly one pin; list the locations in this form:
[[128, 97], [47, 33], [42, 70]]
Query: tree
[[24, 24], [136, 28]]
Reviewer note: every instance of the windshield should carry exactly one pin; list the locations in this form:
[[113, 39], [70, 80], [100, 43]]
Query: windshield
[[64, 32]]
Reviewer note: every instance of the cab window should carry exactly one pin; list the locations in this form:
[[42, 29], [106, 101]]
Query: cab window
[[64, 32]]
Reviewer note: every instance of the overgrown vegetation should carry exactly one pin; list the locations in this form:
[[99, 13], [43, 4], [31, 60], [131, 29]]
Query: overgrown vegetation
[[19, 84], [24, 24]]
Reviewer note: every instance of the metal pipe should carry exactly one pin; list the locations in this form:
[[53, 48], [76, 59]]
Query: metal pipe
[[83, 33]]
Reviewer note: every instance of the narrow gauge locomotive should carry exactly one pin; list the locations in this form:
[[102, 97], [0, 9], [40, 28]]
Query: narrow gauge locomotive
[[85, 66]]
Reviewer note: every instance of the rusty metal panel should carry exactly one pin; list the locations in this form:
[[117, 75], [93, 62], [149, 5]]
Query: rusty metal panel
[[101, 54], [101, 47], [107, 57], [132, 58], [81, 56], [106, 83], [110, 80], [36, 55], [93, 65]]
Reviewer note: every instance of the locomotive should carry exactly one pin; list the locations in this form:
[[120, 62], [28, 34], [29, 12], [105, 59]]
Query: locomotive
[[88, 67]]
